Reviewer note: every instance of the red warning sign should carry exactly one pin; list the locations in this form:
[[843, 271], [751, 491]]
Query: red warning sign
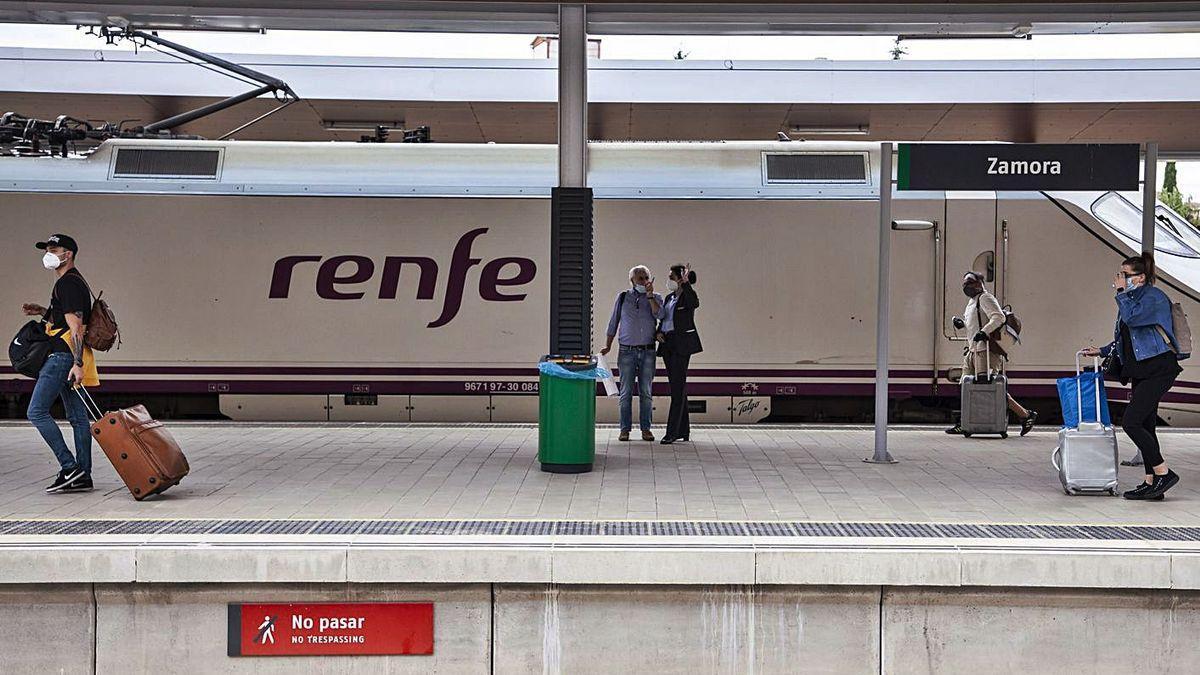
[[331, 629]]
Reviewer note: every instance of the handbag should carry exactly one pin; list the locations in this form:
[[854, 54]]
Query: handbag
[[29, 349]]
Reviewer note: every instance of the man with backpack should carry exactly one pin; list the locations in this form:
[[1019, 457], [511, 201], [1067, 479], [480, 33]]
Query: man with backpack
[[69, 364], [987, 323], [634, 322]]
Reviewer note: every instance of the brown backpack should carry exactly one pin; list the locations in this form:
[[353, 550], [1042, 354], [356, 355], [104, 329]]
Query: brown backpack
[[102, 331]]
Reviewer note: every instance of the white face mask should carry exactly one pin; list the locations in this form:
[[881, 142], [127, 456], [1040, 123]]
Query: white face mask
[[672, 285], [51, 261], [640, 288]]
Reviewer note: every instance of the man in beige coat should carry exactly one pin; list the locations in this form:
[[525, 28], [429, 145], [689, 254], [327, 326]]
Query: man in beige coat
[[982, 317]]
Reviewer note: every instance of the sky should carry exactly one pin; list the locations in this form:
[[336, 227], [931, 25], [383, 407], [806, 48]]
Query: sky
[[454, 45]]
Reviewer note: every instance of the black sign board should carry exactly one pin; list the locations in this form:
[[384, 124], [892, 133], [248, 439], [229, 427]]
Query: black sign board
[[1018, 166]]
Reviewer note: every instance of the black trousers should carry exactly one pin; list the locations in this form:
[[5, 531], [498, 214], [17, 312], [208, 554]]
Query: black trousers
[[1141, 416], [677, 367]]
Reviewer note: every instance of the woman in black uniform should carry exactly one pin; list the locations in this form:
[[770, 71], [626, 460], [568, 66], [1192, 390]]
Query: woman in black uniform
[[678, 340]]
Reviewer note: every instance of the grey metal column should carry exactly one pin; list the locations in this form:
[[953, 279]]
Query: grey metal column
[[571, 230], [572, 96], [1149, 213], [883, 311]]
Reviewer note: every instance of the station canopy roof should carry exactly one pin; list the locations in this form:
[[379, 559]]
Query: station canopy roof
[[513, 101], [793, 17]]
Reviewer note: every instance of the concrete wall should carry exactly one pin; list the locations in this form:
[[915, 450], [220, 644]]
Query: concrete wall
[[181, 628], [579, 629], [47, 628], [687, 630], [1039, 631]]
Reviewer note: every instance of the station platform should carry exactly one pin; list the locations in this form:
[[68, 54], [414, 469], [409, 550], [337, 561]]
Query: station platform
[[747, 549]]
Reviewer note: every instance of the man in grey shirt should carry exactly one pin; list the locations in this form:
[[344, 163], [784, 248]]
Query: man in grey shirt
[[633, 322]]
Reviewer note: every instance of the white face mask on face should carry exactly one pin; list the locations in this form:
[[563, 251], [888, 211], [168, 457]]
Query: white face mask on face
[[672, 285], [51, 261]]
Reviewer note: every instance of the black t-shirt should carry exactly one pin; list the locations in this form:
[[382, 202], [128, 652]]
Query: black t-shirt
[[1155, 366], [70, 295]]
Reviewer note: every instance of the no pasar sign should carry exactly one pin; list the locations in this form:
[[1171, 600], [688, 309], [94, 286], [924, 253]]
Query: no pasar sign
[[331, 629]]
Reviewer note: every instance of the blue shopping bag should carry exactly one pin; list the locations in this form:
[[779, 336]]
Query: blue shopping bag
[[1080, 391]]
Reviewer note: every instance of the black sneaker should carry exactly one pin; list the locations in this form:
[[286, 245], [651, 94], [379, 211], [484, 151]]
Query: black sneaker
[[64, 479], [1138, 492], [1161, 484], [83, 484], [1027, 423], [955, 430]]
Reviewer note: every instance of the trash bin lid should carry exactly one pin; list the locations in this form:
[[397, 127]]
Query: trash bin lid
[[573, 363]]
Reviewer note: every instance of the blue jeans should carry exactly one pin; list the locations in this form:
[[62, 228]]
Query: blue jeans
[[636, 363], [51, 384]]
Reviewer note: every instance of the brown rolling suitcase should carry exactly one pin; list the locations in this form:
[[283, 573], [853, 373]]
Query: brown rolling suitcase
[[140, 448]]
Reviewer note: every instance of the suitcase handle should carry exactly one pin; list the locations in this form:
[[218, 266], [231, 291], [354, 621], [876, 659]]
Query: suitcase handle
[[89, 404], [1055, 458], [1079, 387]]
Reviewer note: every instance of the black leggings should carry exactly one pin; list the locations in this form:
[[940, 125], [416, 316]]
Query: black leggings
[[678, 424], [1141, 416]]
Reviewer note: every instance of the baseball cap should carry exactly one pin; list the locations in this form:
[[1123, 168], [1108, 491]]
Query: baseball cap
[[62, 240]]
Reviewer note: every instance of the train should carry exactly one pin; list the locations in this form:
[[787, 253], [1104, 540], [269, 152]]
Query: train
[[291, 281]]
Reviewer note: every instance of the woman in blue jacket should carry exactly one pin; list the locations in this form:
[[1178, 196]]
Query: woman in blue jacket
[[1144, 353]]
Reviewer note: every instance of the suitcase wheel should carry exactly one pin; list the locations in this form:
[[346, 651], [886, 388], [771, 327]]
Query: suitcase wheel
[[1004, 434]]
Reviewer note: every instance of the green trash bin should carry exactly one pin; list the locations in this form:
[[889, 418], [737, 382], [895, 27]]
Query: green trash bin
[[567, 417]]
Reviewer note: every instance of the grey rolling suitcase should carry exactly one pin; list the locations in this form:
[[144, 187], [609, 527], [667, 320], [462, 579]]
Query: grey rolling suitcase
[[985, 403], [1086, 456]]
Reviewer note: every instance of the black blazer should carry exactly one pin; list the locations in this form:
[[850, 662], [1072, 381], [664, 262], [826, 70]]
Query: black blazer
[[684, 339]]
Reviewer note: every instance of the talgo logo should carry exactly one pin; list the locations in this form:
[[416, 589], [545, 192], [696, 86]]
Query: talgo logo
[[338, 275]]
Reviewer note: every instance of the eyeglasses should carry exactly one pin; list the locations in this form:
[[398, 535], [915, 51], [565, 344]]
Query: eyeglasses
[[1130, 275]]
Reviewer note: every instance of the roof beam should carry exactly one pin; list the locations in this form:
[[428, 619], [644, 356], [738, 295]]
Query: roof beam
[[615, 18]]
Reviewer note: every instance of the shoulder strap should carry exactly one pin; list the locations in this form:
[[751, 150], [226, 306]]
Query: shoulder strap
[[620, 304]]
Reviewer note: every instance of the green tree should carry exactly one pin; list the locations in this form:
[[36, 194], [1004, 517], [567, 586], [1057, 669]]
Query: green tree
[[1174, 199]]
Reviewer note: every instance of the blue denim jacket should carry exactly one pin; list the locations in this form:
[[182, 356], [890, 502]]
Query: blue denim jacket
[[1143, 309]]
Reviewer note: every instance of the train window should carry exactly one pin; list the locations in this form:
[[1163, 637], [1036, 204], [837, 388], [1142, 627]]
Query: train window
[[1178, 226], [1126, 218], [166, 163], [809, 167]]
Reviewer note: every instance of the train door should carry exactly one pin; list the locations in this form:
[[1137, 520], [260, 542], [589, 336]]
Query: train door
[[968, 236]]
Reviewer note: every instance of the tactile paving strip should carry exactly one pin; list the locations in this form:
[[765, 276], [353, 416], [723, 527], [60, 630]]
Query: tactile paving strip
[[620, 528]]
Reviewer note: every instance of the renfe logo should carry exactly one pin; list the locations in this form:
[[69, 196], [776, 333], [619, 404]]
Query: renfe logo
[[329, 629], [338, 276]]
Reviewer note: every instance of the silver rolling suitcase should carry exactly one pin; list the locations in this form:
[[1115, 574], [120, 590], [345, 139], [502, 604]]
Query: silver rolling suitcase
[[984, 403], [1086, 456]]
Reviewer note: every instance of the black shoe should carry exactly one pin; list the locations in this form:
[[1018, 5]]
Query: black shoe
[[666, 441], [1027, 423], [64, 479], [1161, 484], [1138, 492], [83, 484], [955, 430]]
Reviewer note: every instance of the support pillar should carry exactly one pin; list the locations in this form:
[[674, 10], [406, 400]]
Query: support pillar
[[883, 308], [571, 231]]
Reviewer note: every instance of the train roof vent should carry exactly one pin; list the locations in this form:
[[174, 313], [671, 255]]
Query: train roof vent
[[167, 163], [812, 167]]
